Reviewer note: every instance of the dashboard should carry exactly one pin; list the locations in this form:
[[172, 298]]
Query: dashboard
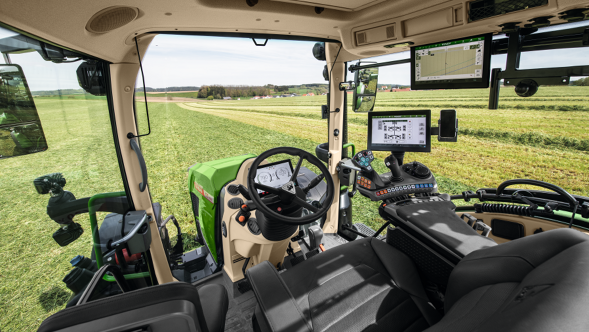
[[275, 174]]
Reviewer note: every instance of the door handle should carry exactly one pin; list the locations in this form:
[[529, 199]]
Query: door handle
[[141, 160]]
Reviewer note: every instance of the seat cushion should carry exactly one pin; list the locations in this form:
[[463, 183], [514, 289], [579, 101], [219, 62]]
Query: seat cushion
[[362, 285], [215, 302], [137, 299]]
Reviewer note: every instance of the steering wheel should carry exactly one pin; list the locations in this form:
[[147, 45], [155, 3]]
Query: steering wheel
[[287, 194]]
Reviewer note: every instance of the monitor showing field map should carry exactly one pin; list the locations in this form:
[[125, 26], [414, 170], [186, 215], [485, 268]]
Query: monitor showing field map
[[461, 63]]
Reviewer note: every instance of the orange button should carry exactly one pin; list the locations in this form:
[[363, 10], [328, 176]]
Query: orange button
[[241, 218]]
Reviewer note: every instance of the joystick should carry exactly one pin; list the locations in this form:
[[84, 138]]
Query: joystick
[[393, 164]]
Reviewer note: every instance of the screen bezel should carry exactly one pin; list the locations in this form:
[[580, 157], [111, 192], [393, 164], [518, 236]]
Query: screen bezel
[[457, 83], [262, 194], [389, 147]]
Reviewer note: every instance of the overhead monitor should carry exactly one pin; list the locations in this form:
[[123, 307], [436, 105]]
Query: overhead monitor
[[274, 174], [454, 64], [396, 131]]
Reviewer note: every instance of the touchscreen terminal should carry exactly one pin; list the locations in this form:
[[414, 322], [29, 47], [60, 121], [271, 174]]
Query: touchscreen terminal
[[400, 131]]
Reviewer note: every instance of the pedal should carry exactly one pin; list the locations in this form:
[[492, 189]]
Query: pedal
[[312, 253], [296, 260]]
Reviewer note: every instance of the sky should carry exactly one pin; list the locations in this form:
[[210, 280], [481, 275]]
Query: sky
[[174, 60]]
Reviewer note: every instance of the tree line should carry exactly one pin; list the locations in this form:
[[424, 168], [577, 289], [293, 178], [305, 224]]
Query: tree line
[[581, 82], [168, 89], [233, 91]]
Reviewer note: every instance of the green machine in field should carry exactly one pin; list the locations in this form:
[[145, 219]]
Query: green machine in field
[[205, 184]]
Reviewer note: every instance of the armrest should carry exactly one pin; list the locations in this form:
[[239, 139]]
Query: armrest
[[278, 306]]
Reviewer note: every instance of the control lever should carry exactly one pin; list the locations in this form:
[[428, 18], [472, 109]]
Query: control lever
[[481, 226], [393, 164], [313, 183], [477, 224], [315, 237], [243, 191], [471, 220]]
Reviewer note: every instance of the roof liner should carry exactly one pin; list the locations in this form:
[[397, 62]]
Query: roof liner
[[64, 22]]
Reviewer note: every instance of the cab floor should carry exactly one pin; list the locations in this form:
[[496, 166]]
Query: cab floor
[[241, 305]]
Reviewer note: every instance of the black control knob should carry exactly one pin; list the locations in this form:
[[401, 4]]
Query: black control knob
[[417, 170]]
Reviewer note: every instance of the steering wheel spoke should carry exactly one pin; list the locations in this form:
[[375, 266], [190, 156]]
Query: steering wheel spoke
[[301, 202], [295, 173]]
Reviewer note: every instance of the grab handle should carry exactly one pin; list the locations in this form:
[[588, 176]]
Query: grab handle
[[141, 160]]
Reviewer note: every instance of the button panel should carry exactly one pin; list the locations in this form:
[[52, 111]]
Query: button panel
[[405, 189], [365, 182]]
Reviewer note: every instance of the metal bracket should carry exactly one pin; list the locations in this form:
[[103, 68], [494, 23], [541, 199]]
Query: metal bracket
[[259, 44]]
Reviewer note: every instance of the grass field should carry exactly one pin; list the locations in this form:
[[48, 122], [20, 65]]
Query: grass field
[[543, 137]]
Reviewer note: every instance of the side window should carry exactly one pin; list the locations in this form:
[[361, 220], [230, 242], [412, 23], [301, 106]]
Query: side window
[[79, 145]]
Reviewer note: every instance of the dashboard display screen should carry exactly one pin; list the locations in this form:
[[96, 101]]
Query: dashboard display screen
[[399, 131], [274, 174], [461, 63]]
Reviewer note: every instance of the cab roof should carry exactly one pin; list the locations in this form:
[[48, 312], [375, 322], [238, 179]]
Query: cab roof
[[105, 29]]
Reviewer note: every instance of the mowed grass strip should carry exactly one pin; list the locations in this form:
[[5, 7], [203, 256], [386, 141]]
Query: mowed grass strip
[[472, 161]]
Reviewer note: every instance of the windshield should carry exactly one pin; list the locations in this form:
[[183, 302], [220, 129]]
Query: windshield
[[79, 145], [543, 137]]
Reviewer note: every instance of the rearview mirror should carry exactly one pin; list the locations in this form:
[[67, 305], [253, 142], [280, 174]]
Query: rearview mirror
[[20, 128], [364, 97]]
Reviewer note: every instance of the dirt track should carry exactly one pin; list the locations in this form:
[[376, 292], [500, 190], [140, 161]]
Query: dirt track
[[168, 100]]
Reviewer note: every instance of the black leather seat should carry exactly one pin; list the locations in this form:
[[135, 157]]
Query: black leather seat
[[176, 306], [537, 283]]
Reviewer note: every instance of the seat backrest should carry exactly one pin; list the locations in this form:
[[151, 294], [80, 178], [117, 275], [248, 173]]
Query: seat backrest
[[170, 307], [536, 283]]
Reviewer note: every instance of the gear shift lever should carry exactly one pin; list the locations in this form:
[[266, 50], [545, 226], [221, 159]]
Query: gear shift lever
[[315, 237]]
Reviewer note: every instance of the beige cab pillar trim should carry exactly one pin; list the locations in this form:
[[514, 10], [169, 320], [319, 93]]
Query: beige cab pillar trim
[[123, 77], [336, 122]]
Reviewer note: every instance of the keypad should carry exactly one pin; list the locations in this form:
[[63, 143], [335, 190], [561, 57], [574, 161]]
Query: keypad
[[405, 189]]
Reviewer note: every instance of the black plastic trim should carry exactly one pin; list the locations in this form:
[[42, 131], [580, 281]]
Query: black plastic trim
[[247, 35]]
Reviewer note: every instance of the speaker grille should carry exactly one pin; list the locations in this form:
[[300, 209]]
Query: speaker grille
[[390, 31], [111, 18], [361, 38]]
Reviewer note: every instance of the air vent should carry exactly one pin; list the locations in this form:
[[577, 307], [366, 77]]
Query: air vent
[[481, 9], [361, 38], [390, 31], [373, 53], [235, 203], [111, 18], [376, 35]]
